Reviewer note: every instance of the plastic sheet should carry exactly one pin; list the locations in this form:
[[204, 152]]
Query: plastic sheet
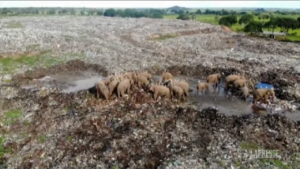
[[261, 85]]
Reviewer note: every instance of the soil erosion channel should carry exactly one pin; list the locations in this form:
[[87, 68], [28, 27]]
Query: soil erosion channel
[[69, 82]]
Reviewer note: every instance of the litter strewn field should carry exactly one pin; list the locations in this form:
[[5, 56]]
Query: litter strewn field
[[51, 119]]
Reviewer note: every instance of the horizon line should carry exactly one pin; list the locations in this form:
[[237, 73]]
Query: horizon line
[[152, 7]]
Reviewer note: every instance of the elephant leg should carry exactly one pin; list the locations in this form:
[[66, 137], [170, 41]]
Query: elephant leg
[[155, 96], [97, 93]]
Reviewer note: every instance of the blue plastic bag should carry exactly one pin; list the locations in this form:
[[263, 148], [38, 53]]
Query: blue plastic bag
[[264, 86]]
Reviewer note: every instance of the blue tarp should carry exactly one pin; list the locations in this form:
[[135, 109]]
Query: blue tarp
[[264, 86]]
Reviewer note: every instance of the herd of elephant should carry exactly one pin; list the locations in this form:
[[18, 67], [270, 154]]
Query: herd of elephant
[[172, 88]]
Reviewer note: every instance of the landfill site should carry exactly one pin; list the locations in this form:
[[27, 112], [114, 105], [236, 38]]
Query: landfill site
[[127, 93]]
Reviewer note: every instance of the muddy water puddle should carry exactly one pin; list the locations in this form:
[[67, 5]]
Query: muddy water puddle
[[67, 82], [82, 84], [218, 99], [229, 106]]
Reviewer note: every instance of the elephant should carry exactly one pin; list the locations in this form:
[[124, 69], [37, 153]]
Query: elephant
[[141, 81], [183, 84], [202, 87], [159, 90], [113, 85], [176, 91], [245, 91], [101, 88], [263, 95], [231, 78], [166, 76], [124, 86], [214, 79], [146, 74]]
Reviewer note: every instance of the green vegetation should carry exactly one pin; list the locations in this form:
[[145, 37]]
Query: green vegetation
[[167, 36], [13, 25], [254, 27], [26, 122], [9, 64], [13, 62], [2, 149], [134, 13], [249, 146], [228, 20], [249, 21], [42, 139], [183, 17], [12, 116], [114, 167], [276, 162]]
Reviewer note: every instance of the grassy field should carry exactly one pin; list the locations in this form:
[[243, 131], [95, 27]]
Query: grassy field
[[294, 35]]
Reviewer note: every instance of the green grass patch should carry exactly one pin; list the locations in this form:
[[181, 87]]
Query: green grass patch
[[10, 64], [26, 122], [43, 58], [165, 37], [67, 108], [69, 138], [278, 163], [51, 61], [170, 16], [12, 116], [249, 146], [293, 38], [7, 80], [2, 149], [14, 25], [211, 19], [42, 139], [238, 164]]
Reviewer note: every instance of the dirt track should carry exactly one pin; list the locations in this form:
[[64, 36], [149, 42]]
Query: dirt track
[[74, 130]]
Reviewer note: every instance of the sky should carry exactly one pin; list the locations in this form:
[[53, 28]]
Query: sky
[[152, 4]]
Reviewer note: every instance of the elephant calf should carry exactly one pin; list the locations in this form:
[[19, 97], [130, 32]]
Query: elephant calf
[[202, 87]]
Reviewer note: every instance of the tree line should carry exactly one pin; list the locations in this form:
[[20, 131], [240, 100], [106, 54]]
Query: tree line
[[134, 13], [208, 12], [252, 26]]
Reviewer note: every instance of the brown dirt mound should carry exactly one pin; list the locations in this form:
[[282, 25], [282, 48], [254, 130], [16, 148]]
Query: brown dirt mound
[[226, 29]]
